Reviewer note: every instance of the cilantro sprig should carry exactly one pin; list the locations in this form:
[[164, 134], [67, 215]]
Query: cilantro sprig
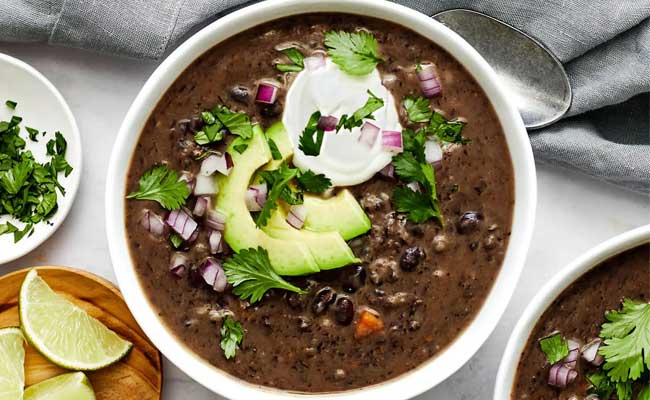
[[277, 182], [220, 120], [555, 347], [232, 335], [309, 144], [162, 185], [373, 104], [418, 110], [355, 53], [251, 275], [309, 181]]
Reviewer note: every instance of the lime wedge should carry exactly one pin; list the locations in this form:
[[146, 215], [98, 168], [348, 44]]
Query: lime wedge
[[12, 359], [64, 333], [73, 386]]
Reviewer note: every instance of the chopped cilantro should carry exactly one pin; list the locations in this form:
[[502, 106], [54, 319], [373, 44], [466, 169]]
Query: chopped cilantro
[[373, 104], [11, 104], [309, 145], [232, 336], [626, 346], [33, 133], [275, 152], [277, 182], [288, 67], [447, 131], [416, 204], [208, 118], [296, 57], [355, 53], [311, 182], [162, 185], [417, 109], [240, 148], [555, 347], [236, 123], [251, 274], [176, 240]]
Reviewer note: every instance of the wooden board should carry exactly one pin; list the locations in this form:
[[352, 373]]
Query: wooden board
[[137, 377]]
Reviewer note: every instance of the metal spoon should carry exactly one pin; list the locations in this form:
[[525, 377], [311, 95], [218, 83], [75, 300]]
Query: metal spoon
[[528, 70]]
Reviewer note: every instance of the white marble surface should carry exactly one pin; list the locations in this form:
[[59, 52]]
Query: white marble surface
[[574, 212]]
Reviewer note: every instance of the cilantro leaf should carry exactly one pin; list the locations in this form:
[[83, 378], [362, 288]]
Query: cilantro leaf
[[33, 133], [414, 142], [176, 240], [15, 178], [236, 123], [7, 228], [373, 104], [307, 143], [416, 204], [240, 148], [447, 131], [407, 168], [162, 185], [418, 109], [626, 346], [277, 181], [555, 347], [19, 234], [11, 104], [275, 152], [288, 67], [355, 53], [57, 146], [232, 336], [311, 182], [251, 274], [294, 55], [645, 394]]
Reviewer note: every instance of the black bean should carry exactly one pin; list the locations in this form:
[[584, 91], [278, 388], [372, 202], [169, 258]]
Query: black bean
[[195, 278], [469, 222], [271, 110], [344, 311], [295, 301], [239, 93], [196, 124], [411, 258], [183, 125], [353, 278], [323, 299]]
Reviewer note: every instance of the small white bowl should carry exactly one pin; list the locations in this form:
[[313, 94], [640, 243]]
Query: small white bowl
[[430, 373], [549, 292], [42, 107]]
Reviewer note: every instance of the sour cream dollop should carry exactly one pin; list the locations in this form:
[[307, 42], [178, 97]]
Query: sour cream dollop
[[343, 158]]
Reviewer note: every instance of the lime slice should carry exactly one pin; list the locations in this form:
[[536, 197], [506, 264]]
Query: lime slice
[[64, 333], [12, 359], [73, 386]]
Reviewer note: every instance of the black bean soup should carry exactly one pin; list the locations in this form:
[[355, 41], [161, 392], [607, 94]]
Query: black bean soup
[[423, 282], [578, 314]]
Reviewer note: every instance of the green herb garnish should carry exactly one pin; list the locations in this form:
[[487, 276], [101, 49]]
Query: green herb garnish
[[603, 387], [232, 335], [311, 182], [277, 182], [240, 148], [420, 206], [162, 185], [296, 57], [447, 131], [626, 345], [11, 104], [275, 152], [418, 109], [555, 347], [373, 104], [308, 144], [355, 53], [33, 133], [251, 275], [176, 240], [237, 123]]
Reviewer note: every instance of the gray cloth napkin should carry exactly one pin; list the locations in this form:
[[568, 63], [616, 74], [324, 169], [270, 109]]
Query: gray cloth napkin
[[604, 44]]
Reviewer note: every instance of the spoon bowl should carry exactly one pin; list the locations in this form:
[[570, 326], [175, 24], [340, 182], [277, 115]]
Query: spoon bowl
[[533, 76]]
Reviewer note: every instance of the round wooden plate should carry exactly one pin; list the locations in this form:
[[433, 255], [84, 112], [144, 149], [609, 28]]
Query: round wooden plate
[[138, 376]]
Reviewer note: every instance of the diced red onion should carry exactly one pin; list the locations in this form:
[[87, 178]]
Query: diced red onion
[[312, 63], [369, 133], [181, 223], [201, 206], [188, 178], [560, 375], [221, 163], [267, 92], [215, 240], [391, 141], [388, 171], [297, 215], [256, 197], [414, 186], [213, 274], [433, 153], [193, 238], [178, 264], [429, 82], [590, 352], [215, 220], [205, 186], [153, 223], [571, 360], [327, 123]]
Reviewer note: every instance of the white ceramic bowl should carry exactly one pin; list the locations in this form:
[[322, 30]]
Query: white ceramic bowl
[[548, 293], [431, 372], [42, 107]]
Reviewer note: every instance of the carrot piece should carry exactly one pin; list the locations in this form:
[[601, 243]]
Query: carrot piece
[[368, 324]]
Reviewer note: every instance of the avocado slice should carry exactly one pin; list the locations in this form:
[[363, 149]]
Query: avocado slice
[[328, 248], [341, 213], [287, 257]]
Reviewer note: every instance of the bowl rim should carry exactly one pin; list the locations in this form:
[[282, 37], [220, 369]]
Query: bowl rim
[[428, 374], [549, 292]]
